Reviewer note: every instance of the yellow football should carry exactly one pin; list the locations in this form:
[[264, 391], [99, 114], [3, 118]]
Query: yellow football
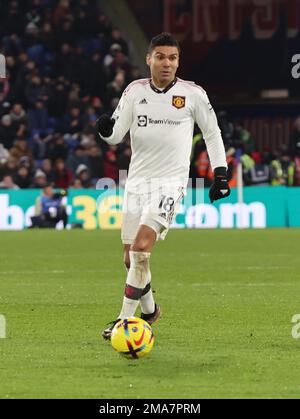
[[132, 338]]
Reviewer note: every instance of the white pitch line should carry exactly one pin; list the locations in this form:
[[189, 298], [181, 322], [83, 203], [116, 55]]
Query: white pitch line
[[261, 284], [54, 271]]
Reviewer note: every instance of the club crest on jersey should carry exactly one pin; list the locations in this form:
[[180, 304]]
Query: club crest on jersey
[[178, 101]]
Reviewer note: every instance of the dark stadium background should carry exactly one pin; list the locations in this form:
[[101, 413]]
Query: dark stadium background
[[57, 55]]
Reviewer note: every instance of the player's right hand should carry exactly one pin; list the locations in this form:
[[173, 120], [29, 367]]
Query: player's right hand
[[104, 125]]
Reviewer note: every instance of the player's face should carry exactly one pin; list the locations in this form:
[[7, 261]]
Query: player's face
[[163, 62]]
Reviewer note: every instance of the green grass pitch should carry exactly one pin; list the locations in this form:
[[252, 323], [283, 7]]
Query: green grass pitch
[[228, 298]]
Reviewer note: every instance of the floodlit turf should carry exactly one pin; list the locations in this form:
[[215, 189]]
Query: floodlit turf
[[228, 298]]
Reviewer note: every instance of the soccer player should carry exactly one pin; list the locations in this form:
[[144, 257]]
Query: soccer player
[[160, 113]]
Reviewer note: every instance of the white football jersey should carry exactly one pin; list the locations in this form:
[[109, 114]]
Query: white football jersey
[[161, 124]]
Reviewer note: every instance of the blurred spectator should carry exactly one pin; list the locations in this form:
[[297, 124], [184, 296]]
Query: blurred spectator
[[18, 115], [242, 138], [23, 178], [102, 26], [4, 105], [61, 11], [247, 164], [110, 166], [47, 169], [109, 57], [276, 175], [232, 167], [89, 117], [123, 158], [5, 87], [38, 116], [82, 26], [134, 74], [12, 45], [49, 209], [226, 127], [203, 168], [82, 173], [11, 70], [21, 149], [10, 168], [87, 142], [48, 38], [259, 174], [14, 22], [281, 168], [7, 131], [40, 144], [72, 122], [40, 180], [80, 66], [197, 147], [76, 184], [116, 87], [297, 166], [120, 62], [64, 60], [76, 158], [34, 91], [4, 154], [74, 94], [58, 100], [95, 75], [95, 162], [287, 167], [57, 148], [98, 105], [295, 137], [62, 175], [8, 183], [117, 39]]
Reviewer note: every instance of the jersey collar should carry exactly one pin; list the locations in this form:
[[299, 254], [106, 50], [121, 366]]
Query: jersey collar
[[166, 89]]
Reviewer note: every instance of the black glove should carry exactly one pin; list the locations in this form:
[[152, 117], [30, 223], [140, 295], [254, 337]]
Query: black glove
[[105, 125], [220, 188]]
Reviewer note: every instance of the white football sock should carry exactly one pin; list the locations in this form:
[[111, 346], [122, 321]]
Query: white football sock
[[135, 283], [147, 300]]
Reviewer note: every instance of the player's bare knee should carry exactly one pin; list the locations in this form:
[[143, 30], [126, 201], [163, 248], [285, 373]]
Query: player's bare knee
[[140, 245]]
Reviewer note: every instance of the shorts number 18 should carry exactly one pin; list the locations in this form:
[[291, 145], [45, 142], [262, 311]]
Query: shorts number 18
[[166, 203]]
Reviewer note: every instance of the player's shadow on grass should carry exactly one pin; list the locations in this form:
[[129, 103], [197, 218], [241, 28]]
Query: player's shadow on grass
[[178, 366]]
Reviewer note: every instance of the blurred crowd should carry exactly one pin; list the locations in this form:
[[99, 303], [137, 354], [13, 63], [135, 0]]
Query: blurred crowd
[[259, 168], [66, 65]]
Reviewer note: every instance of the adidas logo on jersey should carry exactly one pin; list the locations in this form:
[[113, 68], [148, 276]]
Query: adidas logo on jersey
[[143, 102]]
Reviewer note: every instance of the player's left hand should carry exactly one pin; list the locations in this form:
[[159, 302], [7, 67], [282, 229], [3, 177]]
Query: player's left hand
[[220, 188]]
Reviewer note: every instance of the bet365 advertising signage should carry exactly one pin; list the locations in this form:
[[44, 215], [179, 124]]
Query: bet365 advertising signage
[[263, 207]]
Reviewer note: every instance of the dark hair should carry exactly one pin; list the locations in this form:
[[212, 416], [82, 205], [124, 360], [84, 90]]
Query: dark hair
[[163, 39]]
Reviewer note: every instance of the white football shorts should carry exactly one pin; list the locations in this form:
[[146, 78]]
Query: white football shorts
[[156, 209]]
